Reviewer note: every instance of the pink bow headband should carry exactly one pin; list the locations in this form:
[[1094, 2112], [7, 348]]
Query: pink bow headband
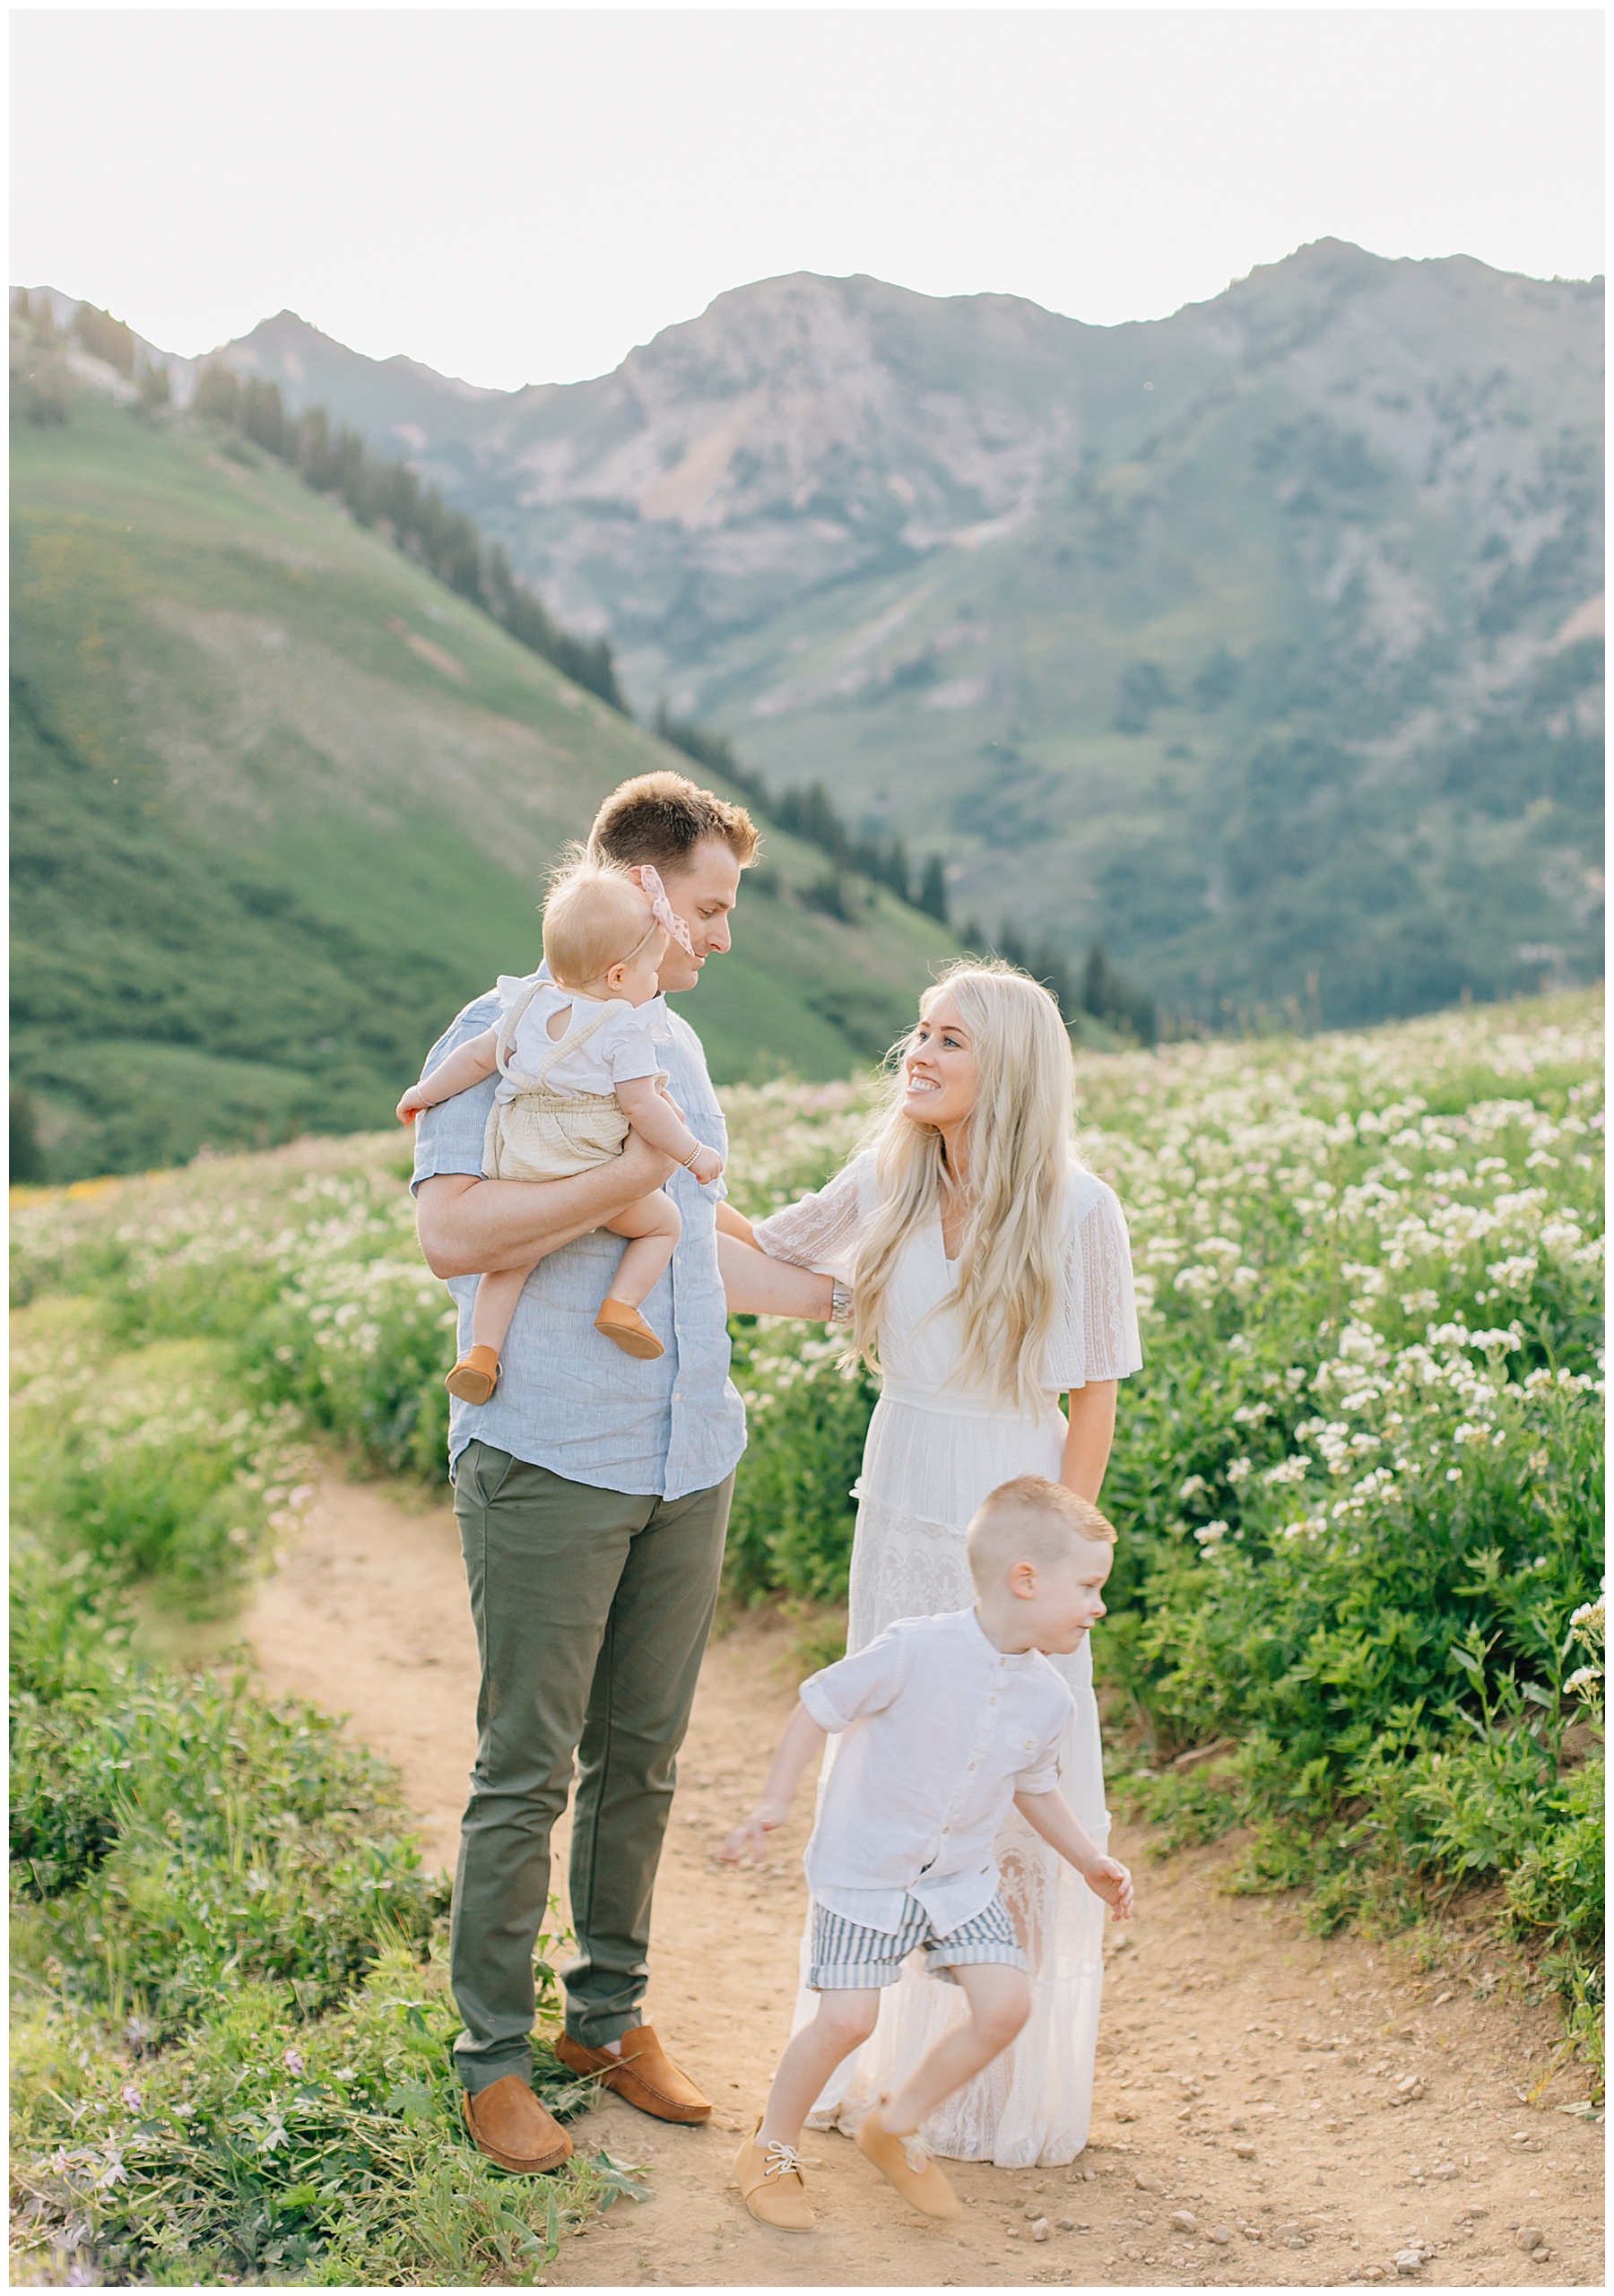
[[662, 909]]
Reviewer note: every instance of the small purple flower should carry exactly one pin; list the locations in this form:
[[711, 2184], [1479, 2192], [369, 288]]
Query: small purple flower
[[132, 2096], [292, 2060]]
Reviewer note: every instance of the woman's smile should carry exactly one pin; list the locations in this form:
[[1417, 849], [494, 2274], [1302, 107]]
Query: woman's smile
[[941, 1066]]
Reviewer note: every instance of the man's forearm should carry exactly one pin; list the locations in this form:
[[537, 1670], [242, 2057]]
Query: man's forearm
[[470, 1226]]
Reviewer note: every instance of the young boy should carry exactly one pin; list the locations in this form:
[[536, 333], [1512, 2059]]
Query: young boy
[[947, 1720]]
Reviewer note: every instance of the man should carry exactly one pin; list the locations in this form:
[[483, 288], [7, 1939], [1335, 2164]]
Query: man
[[593, 1495]]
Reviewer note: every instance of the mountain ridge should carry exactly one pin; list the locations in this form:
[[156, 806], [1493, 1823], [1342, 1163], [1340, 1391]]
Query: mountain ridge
[[1054, 597]]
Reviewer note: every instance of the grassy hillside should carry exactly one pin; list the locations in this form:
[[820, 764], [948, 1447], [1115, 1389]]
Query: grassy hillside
[[1256, 642], [282, 802]]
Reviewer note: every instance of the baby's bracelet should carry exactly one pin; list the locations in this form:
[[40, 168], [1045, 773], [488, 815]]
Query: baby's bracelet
[[690, 1161]]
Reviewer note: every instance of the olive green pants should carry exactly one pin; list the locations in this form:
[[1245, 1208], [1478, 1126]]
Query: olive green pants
[[592, 1612]]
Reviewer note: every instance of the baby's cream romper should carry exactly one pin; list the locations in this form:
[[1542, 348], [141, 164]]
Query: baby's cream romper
[[538, 1131]]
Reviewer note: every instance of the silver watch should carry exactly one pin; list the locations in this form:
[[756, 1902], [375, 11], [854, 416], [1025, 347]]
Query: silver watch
[[840, 1301]]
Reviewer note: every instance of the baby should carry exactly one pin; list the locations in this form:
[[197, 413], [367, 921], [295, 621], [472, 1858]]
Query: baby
[[578, 1069], [947, 1720]]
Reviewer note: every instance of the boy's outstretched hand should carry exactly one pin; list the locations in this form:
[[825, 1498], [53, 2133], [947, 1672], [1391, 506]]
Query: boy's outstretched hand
[[749, 1841], [1110, 1879]]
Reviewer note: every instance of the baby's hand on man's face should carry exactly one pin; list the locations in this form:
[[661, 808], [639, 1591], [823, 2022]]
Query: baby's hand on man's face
[[1114, 1884]]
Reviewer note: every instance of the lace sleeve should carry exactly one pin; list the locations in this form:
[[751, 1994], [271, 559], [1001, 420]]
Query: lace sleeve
[[821, 1231], [1095, 1333], [1109, 1306]]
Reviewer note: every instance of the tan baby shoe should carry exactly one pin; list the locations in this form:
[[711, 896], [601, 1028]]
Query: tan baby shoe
[[629, 1329], [475, 1375], [904, 2162], [771, 2179]]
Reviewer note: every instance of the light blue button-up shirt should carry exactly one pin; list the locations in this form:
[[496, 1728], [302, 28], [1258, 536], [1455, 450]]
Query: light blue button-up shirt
[[569, 1399]]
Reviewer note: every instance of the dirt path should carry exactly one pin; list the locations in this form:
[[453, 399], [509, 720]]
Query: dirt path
[[1272, 2108]]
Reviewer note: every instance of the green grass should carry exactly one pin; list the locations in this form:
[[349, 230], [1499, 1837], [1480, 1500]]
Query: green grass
[[263, 848]]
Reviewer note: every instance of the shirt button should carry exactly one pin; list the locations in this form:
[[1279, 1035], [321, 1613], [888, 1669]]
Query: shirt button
[[972, 1765]]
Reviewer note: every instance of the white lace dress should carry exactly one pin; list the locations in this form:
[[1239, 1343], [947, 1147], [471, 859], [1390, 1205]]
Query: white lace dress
[[934, 1452]]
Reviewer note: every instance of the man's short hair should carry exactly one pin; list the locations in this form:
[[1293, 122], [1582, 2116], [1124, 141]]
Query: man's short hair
[[661, 819], [1031, 1520]]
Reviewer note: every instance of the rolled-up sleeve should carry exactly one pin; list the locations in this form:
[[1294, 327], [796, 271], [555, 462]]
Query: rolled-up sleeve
[[449, 1136], [864, 1684], [1041, 1773]]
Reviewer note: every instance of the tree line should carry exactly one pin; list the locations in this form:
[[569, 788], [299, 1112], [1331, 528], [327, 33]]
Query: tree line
[[1097, 988], [390, 497], [810, 815]]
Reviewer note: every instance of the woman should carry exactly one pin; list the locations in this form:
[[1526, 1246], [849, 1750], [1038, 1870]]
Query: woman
[[988, 1273]]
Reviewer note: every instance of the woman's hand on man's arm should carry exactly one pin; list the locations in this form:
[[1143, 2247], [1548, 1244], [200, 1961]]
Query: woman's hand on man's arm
[[756, 1284], [471, 1227]]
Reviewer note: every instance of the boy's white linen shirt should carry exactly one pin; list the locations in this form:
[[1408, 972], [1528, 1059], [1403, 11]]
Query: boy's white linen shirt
[[943, 1730], [626, 1044]]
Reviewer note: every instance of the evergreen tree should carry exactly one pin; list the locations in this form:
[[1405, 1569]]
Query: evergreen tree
[[27, 1157], [105, 337], [218, 392], [931, 896]]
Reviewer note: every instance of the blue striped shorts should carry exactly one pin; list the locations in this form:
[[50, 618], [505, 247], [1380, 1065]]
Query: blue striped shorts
[[844, 1956]]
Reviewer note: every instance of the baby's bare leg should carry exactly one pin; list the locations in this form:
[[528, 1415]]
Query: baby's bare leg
[[494, 1307], [844, 2022], [655, 1225]]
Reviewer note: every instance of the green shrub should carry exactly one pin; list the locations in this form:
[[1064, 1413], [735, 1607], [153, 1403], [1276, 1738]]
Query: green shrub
[[790, 1532], [270, 2148], [231, 2053]]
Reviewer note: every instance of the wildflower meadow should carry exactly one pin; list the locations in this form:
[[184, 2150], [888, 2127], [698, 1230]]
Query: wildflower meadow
[[1357, 1612]]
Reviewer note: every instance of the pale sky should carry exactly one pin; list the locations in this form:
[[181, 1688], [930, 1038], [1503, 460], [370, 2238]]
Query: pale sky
[[520, 195]]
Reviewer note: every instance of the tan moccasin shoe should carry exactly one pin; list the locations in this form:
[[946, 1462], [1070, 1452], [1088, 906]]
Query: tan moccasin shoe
[[904, 2162], [644, 2074], [769, 2177], [629, 1329], [475, 1376], [508, 2123]]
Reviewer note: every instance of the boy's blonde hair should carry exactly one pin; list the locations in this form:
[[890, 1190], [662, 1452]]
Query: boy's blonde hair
[[595, 917], [1031, 1520]]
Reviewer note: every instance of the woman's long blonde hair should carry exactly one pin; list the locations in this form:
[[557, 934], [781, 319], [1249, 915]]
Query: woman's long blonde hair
[[1019, 1149]]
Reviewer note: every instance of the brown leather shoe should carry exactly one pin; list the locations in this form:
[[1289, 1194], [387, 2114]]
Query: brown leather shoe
[[509, 2124], [644, 2074]]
